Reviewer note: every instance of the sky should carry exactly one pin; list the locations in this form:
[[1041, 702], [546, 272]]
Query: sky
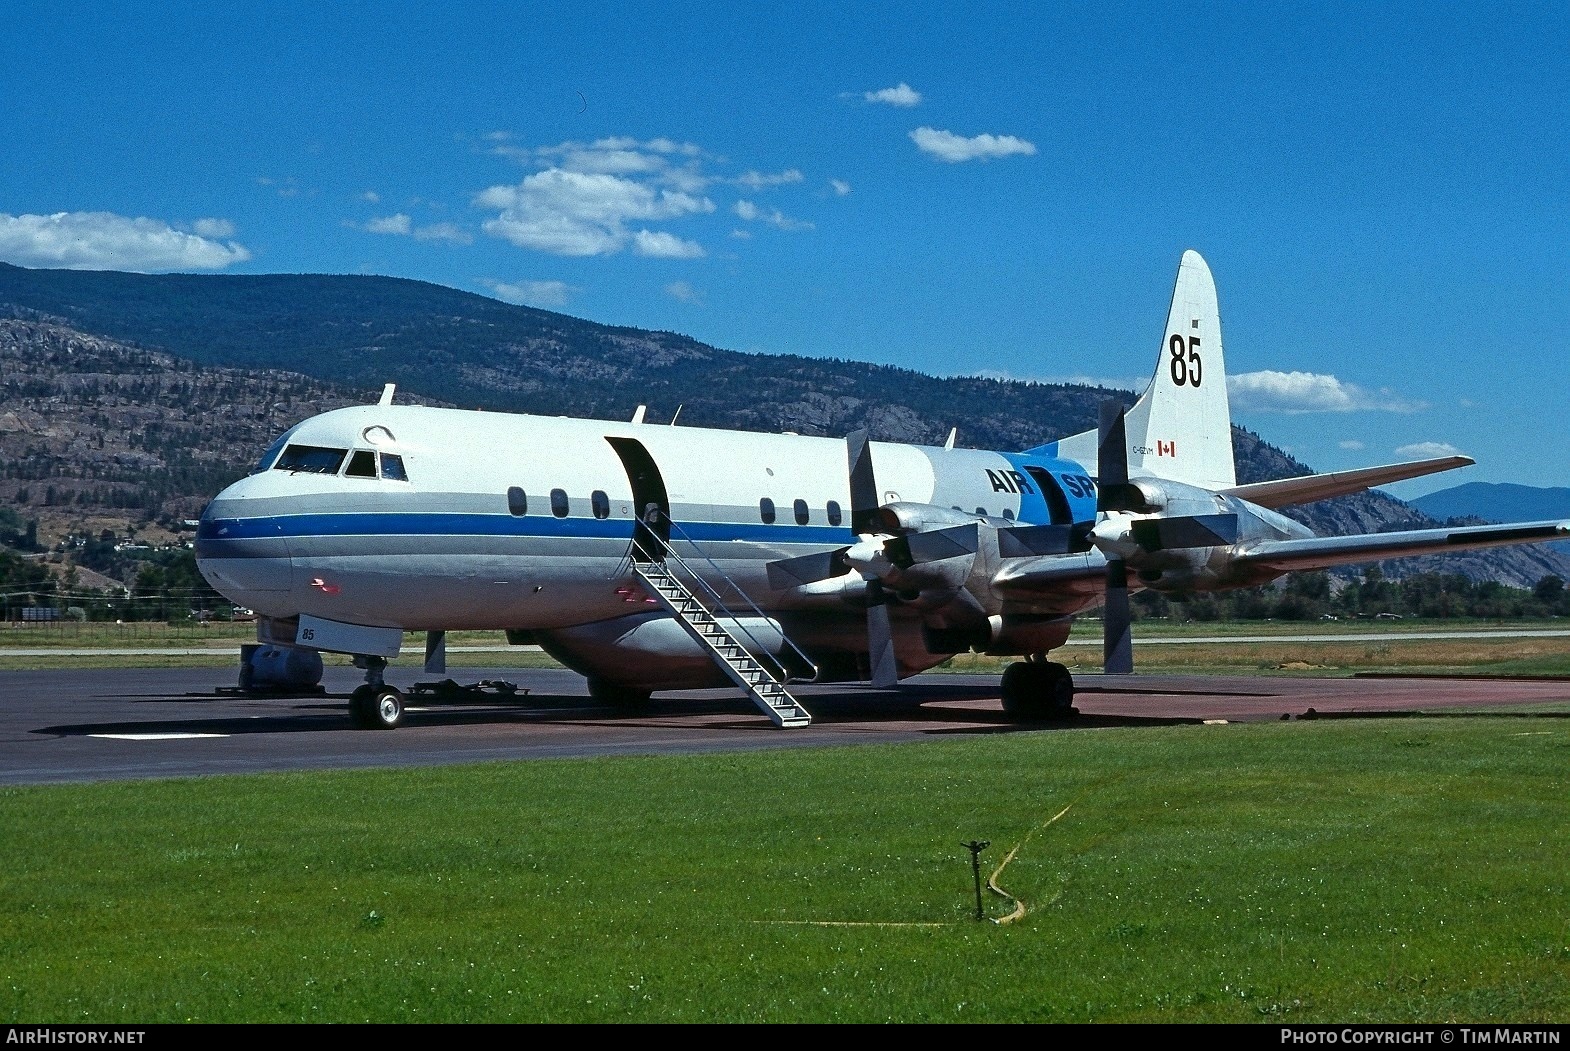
[[1382, 191]]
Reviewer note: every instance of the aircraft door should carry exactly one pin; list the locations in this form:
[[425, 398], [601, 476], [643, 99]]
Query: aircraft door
[[653, 531]]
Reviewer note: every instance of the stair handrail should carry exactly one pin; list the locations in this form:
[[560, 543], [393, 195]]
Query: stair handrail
[[720, 608]]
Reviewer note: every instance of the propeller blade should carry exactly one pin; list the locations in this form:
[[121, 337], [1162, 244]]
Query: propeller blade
[[1117, 639], [1113, 491], [1016, 541], [1162, 534], [933, 545], [789, 573], [880, 640], [864, 501]]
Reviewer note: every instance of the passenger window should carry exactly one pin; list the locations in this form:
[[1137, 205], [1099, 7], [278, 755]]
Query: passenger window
[[362, 464], [311, 459], [517, 501], [1008, 513], [600, 503], [834, 513], [559, 503], [766, 510], [800, 508], [981, 510], [392, 468]]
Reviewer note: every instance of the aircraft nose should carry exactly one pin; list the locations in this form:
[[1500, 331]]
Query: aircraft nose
[[241, 549]]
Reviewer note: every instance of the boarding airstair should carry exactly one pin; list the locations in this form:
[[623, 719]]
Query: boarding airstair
[[707, 623]]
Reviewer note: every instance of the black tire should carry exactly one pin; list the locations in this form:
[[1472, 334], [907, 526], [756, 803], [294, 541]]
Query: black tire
[[1022, 693], [376, 708], [1043, 690], [618, 696], [1058, 687]]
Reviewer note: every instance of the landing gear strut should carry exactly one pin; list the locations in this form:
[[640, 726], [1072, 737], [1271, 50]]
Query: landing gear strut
[[1038, 689], [375, 705]]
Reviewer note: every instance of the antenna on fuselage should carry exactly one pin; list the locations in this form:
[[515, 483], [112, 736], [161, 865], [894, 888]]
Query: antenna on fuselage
[[953, 433], [676, 414], [387, 393], [637, 417]]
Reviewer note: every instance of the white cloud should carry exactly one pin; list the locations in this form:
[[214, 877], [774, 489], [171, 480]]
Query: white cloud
[[662, 245], [105, 241], [213, 228], [1351, 444], [1296, 392], [443, 232], [946, 146], [372, 196], [901, 95], [1424, 450], [585, 213], [752, 213], [841, 187], [390, 224], [532, 293], [401, 225], [758, 180], [683, 291]]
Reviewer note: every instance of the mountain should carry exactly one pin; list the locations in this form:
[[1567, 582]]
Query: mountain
[[1496, 502], [128, 400]]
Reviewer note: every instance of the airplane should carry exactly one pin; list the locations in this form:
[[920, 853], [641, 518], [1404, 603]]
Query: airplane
[[653, 557]]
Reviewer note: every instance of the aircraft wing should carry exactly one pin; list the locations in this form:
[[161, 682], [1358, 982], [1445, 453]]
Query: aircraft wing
[[1308, 488], [1320, 552]]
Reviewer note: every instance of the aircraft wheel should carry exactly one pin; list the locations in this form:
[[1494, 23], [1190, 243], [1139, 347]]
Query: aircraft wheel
[[376, 707], [617, 695], [1021, 695], [1058, 686], [1033, 690]]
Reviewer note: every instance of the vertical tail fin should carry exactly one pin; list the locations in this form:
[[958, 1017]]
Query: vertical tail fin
[[1181, 426]]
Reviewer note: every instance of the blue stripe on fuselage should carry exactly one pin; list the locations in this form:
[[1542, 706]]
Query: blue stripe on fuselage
[[438, 524]]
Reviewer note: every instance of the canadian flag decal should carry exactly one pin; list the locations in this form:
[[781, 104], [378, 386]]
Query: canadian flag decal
[[1166, 448]]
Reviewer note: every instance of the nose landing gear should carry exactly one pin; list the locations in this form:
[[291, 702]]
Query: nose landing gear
[[375, 705]]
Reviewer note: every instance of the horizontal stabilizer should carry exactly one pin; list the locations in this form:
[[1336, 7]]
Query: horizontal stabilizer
[[1287, 491], [1322, 552]]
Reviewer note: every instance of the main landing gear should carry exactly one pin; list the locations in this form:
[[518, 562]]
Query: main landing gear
[[375, 705], [1038, 689]]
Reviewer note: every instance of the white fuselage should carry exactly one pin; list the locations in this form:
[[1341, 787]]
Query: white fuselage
[[428, 519]]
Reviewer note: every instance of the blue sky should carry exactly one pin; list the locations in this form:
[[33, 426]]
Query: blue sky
[[1382, 191]]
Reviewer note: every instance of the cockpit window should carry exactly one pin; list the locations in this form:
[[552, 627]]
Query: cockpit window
[[392, 468], [270, 455], [312, 459], [362, 464]]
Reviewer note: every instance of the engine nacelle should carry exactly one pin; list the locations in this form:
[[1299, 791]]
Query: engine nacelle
[[906, 516]]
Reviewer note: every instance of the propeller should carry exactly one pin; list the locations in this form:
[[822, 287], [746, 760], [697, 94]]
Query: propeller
[[1123, 537], [1114, 494], [865, 554]]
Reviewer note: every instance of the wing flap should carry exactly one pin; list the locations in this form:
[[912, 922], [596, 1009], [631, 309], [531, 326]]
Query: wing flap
[[1322, 552], [1306, 489]]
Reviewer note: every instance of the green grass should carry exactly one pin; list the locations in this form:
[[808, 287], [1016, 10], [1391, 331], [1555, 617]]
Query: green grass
[[1410, 871]]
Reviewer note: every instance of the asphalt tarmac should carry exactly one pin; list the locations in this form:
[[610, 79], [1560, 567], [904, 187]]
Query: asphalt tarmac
[[101, 725]]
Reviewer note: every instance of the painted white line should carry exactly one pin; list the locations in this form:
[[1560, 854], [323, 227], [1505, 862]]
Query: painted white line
[[152, 737]]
